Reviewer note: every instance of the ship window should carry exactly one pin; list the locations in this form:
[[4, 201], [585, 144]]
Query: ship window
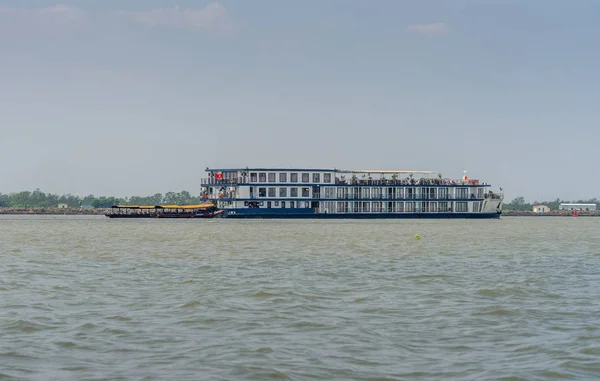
[[305, 192], [271, 177], [262, 192], [283, 177], [282, 192], [271, 192], [262, 177], [327, 177], [443, 207], [316, 177], [283, 204], [366, 207], [293, 177], [462, 207], [253, 177], [305, 178], [276, 203], [293, 192], [292, 204]]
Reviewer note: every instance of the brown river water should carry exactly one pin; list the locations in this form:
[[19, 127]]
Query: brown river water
[[89, 298]]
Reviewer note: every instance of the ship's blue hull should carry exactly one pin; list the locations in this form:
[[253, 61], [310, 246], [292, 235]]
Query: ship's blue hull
[[308, 213]]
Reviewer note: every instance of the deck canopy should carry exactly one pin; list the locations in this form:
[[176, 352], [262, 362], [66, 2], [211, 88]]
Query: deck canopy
[[279, 169], [403, 171], [197, 206]]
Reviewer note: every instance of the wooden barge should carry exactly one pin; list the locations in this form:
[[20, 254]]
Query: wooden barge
[[207, 210]]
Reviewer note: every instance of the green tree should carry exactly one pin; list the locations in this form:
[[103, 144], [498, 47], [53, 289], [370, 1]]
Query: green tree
[[4, 201]]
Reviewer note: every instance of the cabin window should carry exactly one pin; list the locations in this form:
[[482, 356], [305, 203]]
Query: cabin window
[[276, 203], [283, 177], [327, 177], [400, 207], [293, 177], [253, 177], [376, 207], [293, 192], [462, 192], [292, 204], [283, 204], [305, 192], [262, 192], [262, 177], [366, 207], [305, 178], [316, 177], [443, 193], [282, 192], [443, 207], [271, 177], [271, 192], [462, 206]]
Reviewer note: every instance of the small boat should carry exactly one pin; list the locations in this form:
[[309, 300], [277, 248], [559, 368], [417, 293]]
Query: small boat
[[206, 210]]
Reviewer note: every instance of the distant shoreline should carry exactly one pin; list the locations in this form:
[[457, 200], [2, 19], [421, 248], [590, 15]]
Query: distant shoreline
[[53, 211], [557, 213]]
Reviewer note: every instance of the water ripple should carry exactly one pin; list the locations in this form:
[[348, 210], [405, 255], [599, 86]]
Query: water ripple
[[91, 298]]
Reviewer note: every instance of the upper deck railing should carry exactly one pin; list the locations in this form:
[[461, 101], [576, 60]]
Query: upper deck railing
[[378, 182]]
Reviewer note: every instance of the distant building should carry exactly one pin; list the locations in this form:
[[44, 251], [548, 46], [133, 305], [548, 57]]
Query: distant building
[[541, 209], [63, 206], [86, 206], [577, 207]]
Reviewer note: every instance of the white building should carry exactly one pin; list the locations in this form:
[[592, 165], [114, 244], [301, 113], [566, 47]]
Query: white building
[[541, 209], [577, 207], [63, 206]]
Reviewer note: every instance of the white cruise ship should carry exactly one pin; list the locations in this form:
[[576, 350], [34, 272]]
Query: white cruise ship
[[335, 193]]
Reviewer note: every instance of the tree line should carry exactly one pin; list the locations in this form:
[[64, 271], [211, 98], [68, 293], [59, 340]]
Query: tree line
[[39, 199], [519, 204]]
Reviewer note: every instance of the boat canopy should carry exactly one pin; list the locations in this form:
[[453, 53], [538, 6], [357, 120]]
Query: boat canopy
[[197, 206]]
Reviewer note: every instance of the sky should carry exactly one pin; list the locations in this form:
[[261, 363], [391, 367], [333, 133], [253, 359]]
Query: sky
[[122, 98]]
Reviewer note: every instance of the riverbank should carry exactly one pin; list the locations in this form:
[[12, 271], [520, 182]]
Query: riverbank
[[54, 211], [556, 213]]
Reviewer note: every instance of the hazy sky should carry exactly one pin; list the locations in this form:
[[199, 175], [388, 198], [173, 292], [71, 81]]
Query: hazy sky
[[137, 97]]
